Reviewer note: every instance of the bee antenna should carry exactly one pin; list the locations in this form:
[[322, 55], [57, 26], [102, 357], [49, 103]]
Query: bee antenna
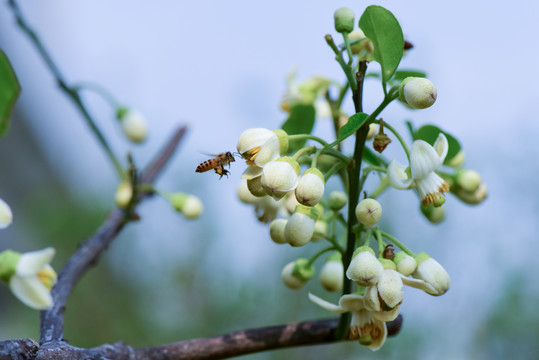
[[235, 153]]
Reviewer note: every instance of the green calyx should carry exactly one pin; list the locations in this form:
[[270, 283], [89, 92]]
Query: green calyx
[[316, 172], [422, 256], [292, 162], [302, 270], [361, 249], [399, 256], [311, 212], [387, 264], [8, 264], [121, 112], [401, 89], [344, 20], [177, 200], [336, 256], [283, 140]]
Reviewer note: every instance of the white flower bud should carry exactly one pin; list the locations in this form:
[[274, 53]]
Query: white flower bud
[[134, 126], [344, 20], [123, 195], [297, 273], [188, 205], [310, 187], [368, 212], [472, 198], [280, 176], [331, 275], [457, 160], [320, 230], [290, 280], [364, 46], [255, 187], [300, 227], [245, 195], [430, 271], [364, 269], [419, 93], [337, 200], [6, 216], [277, 227], [406, 264], [433, 214], [373, 130], [469, 180]]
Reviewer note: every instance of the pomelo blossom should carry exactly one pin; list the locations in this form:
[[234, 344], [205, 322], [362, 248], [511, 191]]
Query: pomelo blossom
[[259, 146]]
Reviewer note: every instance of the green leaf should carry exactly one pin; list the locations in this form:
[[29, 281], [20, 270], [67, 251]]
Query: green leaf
[[300, 121], [403, 74], [354, 123], [429, 133], [383, 29], [9, 91]]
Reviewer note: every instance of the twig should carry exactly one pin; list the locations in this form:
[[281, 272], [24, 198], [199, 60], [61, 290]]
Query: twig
[[234, 344], [52, 320]]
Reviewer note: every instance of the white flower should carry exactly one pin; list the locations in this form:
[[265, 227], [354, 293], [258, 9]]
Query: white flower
[[385, 297], [266, 208], [364, 269], [331, 275], [258, 146], [370, 331], [280, 176], [134, 126], [6, 216], [429, 276], [368, 212], [310, 187], [29, 275], [419, 93], [424, 160]]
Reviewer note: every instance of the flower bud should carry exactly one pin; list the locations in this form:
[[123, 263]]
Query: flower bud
[[280, 176], [245, 195], [320, 230], [277, 227], [364, 268], [6, 216], [468, 180], [418, 93], [457, 160], [300, 227], [291, 202], [364, 45], [472, 198], [296, 274], [387, 264], [344, 20], [430, 271], [390, 289], [310, 187], [368, 212], [337, 200], [406, 265], [188, 205], [373, 130], [133, 124], [331, 275], [433, 214], [255, 187], [123, 195]]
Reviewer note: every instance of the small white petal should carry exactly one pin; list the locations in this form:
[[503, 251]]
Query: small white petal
[[6, 216], [441, 146], [268, 152], [251, 172], [352, 302], [386, 315], [423, 159], [252, 138], [396, 175], [31, 292], [418, 284], [326, 304], [33, 262]]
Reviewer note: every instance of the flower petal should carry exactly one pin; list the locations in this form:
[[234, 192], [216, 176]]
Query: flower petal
[[386, 315], [33, 262], [441, 146], [423, 159], [253, 137], [419, 284], [31, 292], [6, 216], [269, 151], [251, 172], [396, 175], [352, 302], [326, 304]]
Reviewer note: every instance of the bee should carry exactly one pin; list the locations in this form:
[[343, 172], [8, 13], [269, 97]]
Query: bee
[[218, 163]]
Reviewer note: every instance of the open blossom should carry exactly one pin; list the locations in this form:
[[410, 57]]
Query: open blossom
[[29, 275], [6, 216], [424, 160], [364, 326], [259, 146]]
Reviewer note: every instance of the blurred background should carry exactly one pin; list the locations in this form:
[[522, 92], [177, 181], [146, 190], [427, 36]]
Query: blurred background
[[220, 67]]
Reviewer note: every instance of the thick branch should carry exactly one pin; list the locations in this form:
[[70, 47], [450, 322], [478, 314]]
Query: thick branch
[[234, 344], [52, 320]]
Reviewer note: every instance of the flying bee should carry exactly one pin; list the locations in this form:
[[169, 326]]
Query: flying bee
[[218, 163]]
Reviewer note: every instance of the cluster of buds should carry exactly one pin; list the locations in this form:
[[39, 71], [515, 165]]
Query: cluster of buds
[[380, 294]]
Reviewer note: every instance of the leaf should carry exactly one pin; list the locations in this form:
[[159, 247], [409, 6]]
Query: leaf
[[383, 29], [370, 157], [300, 121], [9, 91], [403, 74], [354, 123], [429, 133]]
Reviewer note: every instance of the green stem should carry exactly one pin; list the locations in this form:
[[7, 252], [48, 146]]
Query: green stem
[[367, 170], [318, 254], [380, 241], [383, 185], [335, 168], [398, 243], [71, 92], [348, 49], [345, 67], [306, 150], [307, 137], [399, 137], [98, 89], [367, 241]]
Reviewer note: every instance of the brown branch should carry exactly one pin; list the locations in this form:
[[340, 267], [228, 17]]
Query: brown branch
[[238, 343], [52, 320]]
